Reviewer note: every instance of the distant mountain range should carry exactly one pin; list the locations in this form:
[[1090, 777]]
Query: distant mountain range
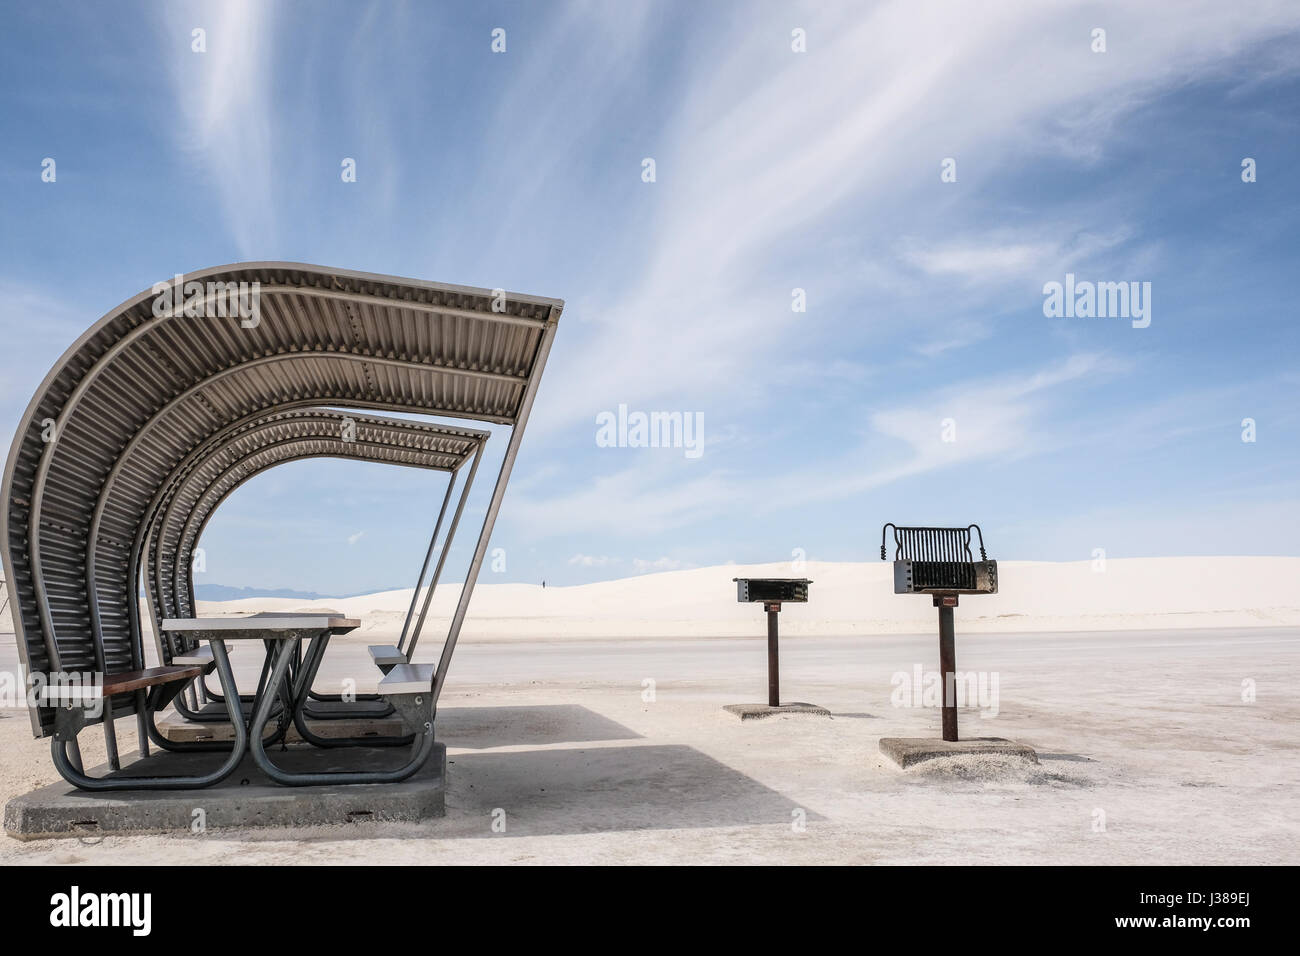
[[224, 592]]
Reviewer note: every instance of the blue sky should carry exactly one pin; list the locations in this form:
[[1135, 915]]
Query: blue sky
[[775, 170]]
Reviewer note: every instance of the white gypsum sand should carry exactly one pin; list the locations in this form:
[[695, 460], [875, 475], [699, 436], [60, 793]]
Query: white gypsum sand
[[851, 598], [1152, 750], [1149, 754]]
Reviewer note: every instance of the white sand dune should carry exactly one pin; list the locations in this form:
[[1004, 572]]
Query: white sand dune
[[852, 598]]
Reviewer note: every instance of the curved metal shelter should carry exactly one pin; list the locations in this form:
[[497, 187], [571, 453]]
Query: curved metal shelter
[[187, 502], [185, 366]]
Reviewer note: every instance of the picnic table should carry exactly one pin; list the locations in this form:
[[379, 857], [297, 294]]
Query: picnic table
[[288, 677]]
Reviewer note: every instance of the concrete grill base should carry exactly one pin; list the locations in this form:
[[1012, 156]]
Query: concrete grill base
[[758, 711], [245, 799], [909, 751]]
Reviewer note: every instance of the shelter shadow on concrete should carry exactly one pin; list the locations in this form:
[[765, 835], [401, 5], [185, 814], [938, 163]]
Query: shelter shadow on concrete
[[604, 789], [480, 728]]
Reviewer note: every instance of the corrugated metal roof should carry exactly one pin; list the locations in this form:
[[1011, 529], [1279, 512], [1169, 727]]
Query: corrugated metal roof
[[144, 387]]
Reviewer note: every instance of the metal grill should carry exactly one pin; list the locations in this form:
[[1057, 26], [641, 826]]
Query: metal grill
[[938, 562], [929, 560], [772, 593], [772, 590]]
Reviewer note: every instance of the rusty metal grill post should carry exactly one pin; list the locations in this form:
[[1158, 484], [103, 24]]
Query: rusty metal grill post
[[948, 666], [772, 593], [773, 665]]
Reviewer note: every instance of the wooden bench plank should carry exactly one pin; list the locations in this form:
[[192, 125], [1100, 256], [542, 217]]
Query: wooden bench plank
[[136, 680], [199, 655]]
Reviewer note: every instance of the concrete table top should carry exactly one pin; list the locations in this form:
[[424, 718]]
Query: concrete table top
[[262, 626]]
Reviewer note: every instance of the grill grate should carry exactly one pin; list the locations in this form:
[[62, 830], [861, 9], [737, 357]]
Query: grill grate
[[957, 575], [937, 545]]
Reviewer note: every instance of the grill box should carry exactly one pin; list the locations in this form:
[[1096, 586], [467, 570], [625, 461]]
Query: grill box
[[772, 590]]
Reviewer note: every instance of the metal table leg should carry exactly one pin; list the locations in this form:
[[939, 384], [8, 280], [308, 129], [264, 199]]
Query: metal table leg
[[416, 709], [306, 677]]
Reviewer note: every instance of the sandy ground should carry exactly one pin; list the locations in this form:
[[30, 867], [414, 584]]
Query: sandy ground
[[1146, 729]]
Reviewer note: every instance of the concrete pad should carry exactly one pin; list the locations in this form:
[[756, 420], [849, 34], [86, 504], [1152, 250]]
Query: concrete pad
[[759, 711], [247, 798], [909, 751], [176, 728]]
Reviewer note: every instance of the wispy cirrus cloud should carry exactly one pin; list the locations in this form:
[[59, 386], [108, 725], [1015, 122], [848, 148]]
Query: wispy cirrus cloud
[[594, 560], [227, 118], [739, 193], [644, 566]]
